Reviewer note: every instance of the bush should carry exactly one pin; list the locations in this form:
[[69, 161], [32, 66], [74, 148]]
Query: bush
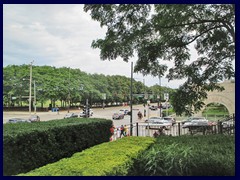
[[27, 146], [212, 155], [107, 159]]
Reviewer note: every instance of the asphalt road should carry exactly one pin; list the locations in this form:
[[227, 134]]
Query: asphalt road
[[105, 114], [97, 113]]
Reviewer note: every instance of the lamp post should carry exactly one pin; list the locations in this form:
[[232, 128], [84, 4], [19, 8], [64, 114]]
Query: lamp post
[[30, 87], [68, 89], [131, 97], [34, 86], [160, 105]]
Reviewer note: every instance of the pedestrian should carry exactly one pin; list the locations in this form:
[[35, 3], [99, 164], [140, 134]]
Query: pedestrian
[[122, 131], [161, 131], [112, 132], [139, 115], [155, 134], [125, 130], [57, 108]]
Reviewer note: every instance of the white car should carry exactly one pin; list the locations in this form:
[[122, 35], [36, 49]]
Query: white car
[[70, 115], [160, 122], [123, 111], [170, 119], [82, 114], [18, 120], [228, 124], [154, 119], [196, 121]]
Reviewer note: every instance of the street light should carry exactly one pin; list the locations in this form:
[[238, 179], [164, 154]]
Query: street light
[[30, 87], [68, 89], [131, 97], [160, 105]]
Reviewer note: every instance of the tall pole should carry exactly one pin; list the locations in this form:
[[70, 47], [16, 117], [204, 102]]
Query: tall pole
[[160, 97], [69, 89], [131, 95], [35, 108], [30, 88]]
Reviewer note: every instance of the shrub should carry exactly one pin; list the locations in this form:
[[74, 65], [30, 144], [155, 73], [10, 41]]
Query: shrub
[[107, 159], [27, 146], [212, 155]]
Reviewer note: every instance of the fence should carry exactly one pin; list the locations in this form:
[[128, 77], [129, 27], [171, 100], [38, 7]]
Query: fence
[[222, 126]]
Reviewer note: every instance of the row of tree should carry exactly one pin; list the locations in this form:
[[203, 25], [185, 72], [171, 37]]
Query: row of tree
[[72, 85]]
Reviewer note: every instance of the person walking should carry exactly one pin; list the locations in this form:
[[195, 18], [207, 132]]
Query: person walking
[[140, 115], [57, 109], [112, 132], [125, 130], [122, 131]]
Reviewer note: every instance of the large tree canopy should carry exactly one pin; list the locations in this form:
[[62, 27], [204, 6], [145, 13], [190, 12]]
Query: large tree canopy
[[160, 33]]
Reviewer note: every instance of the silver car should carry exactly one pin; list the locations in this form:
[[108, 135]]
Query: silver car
[[18, 120], [70, 115], [154, 119], [196, 121], [170, 119], [34, 118]]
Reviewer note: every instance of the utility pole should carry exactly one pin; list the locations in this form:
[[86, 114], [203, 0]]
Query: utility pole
[[69, 89], [35, 108], [131, 95], [160, 105], [30, 88]]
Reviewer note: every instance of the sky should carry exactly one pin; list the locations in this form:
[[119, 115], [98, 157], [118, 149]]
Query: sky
[[61, 36]]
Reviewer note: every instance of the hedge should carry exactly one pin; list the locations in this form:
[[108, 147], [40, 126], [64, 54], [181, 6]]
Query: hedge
[[212, 155], [27, 146], [107, 159]]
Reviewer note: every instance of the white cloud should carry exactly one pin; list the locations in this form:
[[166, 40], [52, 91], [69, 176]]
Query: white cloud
[[60, 36]]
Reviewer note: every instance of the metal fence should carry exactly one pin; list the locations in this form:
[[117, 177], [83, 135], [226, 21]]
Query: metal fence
[[222, 126]]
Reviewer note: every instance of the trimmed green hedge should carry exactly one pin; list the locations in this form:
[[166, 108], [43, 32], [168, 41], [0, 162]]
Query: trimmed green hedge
[[111, 158], [212, 155], [27, 146]]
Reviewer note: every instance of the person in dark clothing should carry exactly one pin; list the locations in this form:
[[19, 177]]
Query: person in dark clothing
[[122, 131]]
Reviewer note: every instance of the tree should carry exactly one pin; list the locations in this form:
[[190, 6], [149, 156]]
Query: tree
[[160, 33]]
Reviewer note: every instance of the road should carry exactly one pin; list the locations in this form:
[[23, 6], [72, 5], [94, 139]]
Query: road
[[97, 113], [105, 114]]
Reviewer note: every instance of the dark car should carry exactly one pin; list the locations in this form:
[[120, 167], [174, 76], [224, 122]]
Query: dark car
[[70, 115], [153, 108], [117, 116], [18, 120], [34, 118]]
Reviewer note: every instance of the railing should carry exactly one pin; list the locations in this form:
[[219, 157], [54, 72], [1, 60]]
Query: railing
[[222, 126]]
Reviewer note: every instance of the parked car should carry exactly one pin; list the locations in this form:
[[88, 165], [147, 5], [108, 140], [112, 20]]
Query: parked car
[[228, 124], [34, 118], [166, 106], [154, 119], [153, 107], [117, 116], [165, 124], [124, 111], [170, 119], [18, 120], [70, 115], [195, 121], [82, 114]]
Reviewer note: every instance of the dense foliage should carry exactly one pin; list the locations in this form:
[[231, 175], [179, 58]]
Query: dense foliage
[[212, 155], [27, 146], [60, 83], [107, 159], [164, 32]]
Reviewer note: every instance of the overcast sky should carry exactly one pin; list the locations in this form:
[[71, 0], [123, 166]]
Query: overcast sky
[[60, 36]]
